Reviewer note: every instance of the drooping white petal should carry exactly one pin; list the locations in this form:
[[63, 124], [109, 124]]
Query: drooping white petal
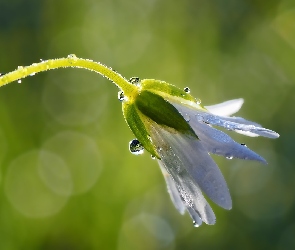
[[237, 124], [189, 164], [219, 143], [189, 190], [247, 133], [216, 141], [231, 123], [226, 108], [176, 198], [172, 189], [197, 221]]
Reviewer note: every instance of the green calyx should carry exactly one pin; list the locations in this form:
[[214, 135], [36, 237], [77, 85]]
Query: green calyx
[[150, 105]]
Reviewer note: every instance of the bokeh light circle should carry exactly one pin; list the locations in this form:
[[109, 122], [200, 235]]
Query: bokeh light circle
[[81, 155], [25, 188]]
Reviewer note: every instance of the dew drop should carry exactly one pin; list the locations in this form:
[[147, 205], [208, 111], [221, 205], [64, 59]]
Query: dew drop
[[198, 101], [136, 147], [134, 80], [32, 74], [195, 224], [243, 144], [160, 149], [72, 58], [41, 60], [20, 67], [186, 117], [187, 90], [19, 81], [229, 157], [121, 96], [153, 157]]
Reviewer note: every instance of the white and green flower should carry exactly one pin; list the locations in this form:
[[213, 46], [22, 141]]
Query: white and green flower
[[174, 128], [179, 132]]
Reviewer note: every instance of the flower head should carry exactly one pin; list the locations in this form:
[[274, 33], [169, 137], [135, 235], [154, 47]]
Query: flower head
[[179, 132]]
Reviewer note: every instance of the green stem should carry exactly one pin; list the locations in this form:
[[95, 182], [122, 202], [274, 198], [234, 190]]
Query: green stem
[[74, 62]]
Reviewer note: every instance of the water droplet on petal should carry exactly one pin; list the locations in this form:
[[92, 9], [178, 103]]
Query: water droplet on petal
[[153, 157], [187, 90], [135, 80], [243, 144], [195, 224], [186, 117], [136, 147], [41, 60], [229, 157], [32, 74], [121, 96], [19, 81], [20, 67]]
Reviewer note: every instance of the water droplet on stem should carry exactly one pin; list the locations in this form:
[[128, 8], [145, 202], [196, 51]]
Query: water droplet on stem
[[72, 58], [135, 80], [121, 96]]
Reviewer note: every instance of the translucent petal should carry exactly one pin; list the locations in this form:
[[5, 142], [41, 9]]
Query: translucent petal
[[195, 217], [220, 143], [217, 142], [236, 124], [189, 154], [176, 198], [247, 133], [189, 190], [226, 108], [231, 123], [172, 190]]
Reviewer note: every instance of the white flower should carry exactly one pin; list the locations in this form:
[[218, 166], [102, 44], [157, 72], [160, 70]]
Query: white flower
[[180, 133]]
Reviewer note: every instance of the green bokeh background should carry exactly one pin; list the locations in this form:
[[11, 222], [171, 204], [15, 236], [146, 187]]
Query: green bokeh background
[[67, 179]]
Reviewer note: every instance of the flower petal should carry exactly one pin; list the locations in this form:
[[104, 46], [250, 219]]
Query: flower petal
[[226, 108], [185, 154], [217, 142], [237, 124], [195, 217], [220, 143], [172, 189], [188, 190], [177, 199]]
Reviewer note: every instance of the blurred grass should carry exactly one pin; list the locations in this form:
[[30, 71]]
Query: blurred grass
[[220, 49]]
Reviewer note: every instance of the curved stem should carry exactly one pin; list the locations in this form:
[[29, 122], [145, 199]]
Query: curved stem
[[74, 62]]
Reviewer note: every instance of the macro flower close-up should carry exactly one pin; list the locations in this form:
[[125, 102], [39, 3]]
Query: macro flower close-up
[[176, 129], [151, 125]]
